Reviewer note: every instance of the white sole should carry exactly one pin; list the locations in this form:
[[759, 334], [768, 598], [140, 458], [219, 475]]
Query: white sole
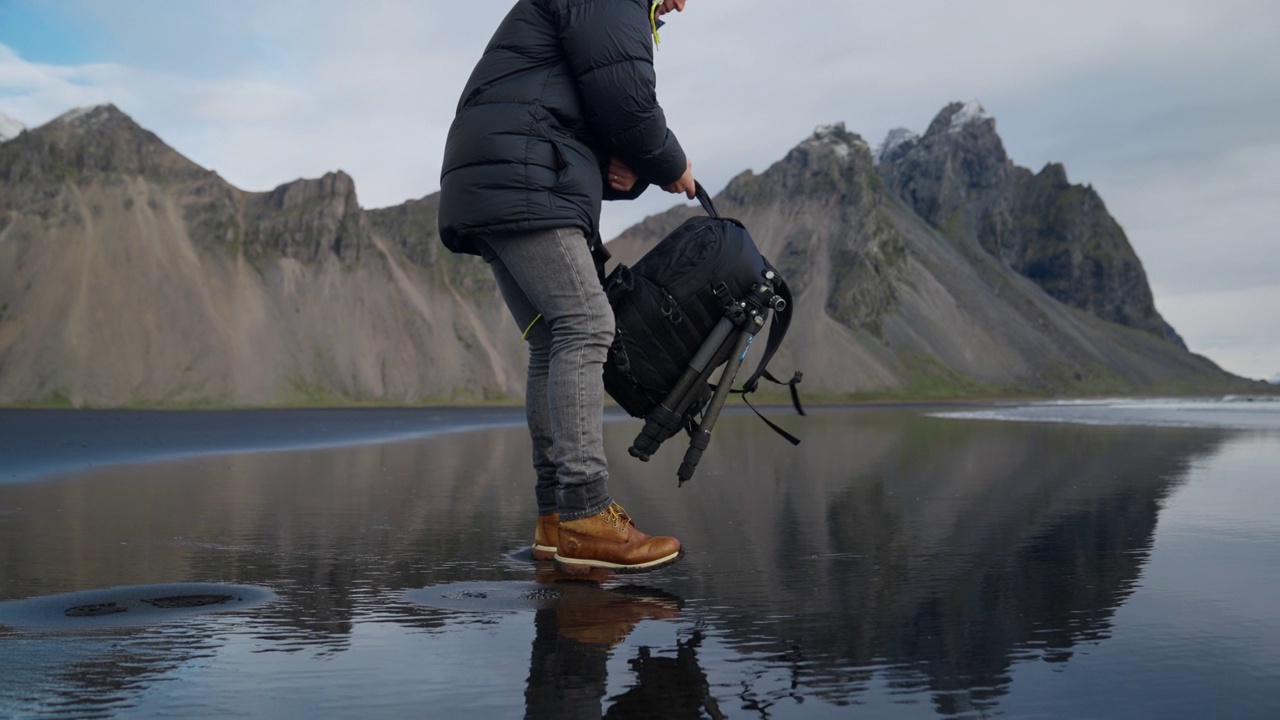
[[652, 564]]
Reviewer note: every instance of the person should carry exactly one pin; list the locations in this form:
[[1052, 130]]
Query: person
[[560, 113]]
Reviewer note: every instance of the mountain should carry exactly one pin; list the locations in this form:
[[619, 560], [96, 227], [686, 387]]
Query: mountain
[[905, 287], [897, 138], [1275, 379], [9, 128], [959, 179], [131, 275]]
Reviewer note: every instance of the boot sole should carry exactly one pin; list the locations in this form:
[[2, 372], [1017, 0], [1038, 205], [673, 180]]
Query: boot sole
[[577, 566], [543, 552]]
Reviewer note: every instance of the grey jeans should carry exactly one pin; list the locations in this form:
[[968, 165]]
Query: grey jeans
[[551, 273]]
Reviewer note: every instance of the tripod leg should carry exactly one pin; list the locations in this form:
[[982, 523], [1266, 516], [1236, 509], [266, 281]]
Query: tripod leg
[[702, 437], [666, 419], [701, 366]]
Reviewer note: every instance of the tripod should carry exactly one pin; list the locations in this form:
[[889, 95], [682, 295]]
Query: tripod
[[727, 344]]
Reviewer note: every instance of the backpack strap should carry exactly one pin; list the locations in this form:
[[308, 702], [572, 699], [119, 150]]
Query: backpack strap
[[772, 425], [777, 331], [777, 327], [791, 385], [705, 198]]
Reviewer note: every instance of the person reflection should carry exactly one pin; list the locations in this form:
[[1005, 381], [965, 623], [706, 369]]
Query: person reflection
[[574, 636]]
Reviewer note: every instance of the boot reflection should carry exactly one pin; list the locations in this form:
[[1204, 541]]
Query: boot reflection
[[592, 615], [574, 636]]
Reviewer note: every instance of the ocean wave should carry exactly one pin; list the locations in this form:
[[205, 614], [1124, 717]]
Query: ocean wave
[[1228, 412]]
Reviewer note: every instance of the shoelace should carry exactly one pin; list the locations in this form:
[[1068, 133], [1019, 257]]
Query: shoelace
[[615, 514]]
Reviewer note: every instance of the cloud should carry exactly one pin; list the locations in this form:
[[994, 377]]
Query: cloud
[[35, 93], [265, 93]]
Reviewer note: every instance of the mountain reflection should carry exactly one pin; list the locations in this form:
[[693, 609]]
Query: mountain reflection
[[934, 552], [890, 548]]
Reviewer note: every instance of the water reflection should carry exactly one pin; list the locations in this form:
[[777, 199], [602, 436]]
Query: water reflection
[[895, 558], [93, 675], [574, 635], [934, 553]]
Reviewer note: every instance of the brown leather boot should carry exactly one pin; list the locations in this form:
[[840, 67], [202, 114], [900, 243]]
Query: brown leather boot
[[544, 536], [611, 540]]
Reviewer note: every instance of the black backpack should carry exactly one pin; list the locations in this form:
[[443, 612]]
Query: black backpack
[[679, 311]]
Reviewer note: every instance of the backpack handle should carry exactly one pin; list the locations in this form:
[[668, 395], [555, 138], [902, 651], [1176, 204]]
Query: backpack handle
[[705, 199]]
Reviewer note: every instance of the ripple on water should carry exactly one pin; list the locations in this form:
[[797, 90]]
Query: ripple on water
[[128, 606], [488, 597]]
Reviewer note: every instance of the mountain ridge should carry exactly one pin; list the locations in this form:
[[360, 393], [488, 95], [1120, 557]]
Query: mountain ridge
[[10, 128], [959, 178], [131, 275], [908, 308]]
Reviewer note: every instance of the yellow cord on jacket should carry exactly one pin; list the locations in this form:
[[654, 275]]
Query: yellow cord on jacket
[[653, 21]]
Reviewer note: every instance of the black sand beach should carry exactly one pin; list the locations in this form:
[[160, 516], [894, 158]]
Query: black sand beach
[[40, 443], [896, 564]]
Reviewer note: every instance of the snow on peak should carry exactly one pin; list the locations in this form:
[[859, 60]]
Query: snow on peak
[[837, 138], [75, 114], [9, 128], [826, 131], [971, 112], [896, 138], [86, 116], [1275, 379]]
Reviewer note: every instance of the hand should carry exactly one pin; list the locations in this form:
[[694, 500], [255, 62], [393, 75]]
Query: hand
[[620, 177], [669, 5], [685, 184]]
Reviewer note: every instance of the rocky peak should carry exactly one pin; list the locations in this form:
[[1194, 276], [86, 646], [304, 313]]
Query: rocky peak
[[966, 134], [10, 128], [836, 139], [957, 161], [94, 140], [958, 117], [829, 162], [959, 179], [897, 143], [84, 119], [823, 201], [960, 127], [1054, 174], [306, 219], [335, 189]]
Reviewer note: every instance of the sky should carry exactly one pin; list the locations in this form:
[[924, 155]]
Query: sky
[[1170, 109]]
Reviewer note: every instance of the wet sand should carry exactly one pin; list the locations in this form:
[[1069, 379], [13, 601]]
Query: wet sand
[[895, 565], [35, 444]]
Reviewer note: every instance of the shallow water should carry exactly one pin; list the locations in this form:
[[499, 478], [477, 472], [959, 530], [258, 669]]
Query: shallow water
[[896, 564]]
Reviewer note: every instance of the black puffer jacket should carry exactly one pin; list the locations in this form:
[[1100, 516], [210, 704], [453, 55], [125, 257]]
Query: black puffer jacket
[[562, 86]]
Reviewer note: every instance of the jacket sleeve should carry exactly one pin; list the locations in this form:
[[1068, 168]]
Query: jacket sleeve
[[610, 52]]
